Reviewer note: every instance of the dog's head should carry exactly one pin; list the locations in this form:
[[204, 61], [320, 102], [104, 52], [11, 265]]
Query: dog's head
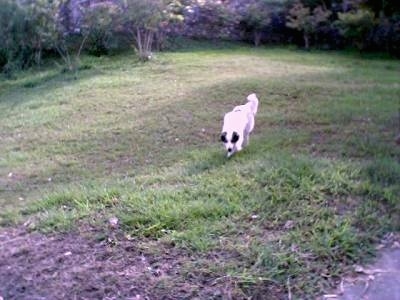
[[229, 139]]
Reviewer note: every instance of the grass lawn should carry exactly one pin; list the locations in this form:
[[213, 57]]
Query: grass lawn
[[316, 188]]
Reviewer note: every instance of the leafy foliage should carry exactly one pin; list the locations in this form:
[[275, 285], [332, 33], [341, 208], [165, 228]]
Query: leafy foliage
[[256, 18], [99, 22], [356, 26], [302, 19], [209, 19], [26, 31], [32, 29]]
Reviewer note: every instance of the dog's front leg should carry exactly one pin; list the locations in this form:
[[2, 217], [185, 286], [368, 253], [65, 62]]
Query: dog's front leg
[[239, 143]]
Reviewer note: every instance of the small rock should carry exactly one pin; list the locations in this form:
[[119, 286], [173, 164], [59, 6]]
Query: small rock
[[68, 253], [9, 176], [289, 224], [113, 222], [358, 269]]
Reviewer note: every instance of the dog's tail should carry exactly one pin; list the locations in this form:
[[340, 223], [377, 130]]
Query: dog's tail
[[252, 98]]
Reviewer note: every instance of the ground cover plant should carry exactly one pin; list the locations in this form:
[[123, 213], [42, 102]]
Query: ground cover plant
[[139, 143]]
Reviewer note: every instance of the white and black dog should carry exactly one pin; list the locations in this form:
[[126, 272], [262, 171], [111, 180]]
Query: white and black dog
[[238, 124]]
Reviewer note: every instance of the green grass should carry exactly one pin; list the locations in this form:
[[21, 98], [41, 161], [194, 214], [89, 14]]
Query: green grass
[[317, 186]]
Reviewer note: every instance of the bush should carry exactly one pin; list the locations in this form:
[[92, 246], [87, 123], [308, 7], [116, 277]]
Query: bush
[[301, 18], [209, 20], [99, 22], [357, 26], [143, 22], [13, 48], [394, 37], [256, 19], [26, 30]]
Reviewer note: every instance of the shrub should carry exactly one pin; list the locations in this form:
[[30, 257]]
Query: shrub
[[357, 26], [209, 19], [306, 21], [143, 20], [99, 23], [256, 19], [14, 52], [394, 37]]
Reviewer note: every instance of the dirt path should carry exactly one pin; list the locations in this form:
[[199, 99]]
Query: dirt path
[[380, 281], [377, 281], [76, 266], [80, 266]]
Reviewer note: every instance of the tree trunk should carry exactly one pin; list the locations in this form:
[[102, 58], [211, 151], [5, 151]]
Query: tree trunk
[[144, 43], [257, 38], [306, 41]]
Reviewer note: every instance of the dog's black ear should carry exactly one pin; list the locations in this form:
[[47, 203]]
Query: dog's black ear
[[235, 137], [223, 137]]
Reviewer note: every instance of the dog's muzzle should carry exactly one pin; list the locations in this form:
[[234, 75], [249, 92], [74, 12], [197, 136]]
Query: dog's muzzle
[[229, 152]]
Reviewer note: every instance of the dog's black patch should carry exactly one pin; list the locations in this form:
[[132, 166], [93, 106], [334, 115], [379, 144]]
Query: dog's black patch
[[235, 137], [223, 137]]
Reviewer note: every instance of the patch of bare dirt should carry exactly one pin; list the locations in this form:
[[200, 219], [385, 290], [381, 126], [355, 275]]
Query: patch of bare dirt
[[78, 265]]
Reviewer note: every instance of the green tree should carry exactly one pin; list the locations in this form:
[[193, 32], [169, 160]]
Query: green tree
[[68, 45], [356, 26], [306, 21], [11, 34], [99, 23], [40, 17], [142, 20], [257, 18], [24, 31], [382, 8]]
